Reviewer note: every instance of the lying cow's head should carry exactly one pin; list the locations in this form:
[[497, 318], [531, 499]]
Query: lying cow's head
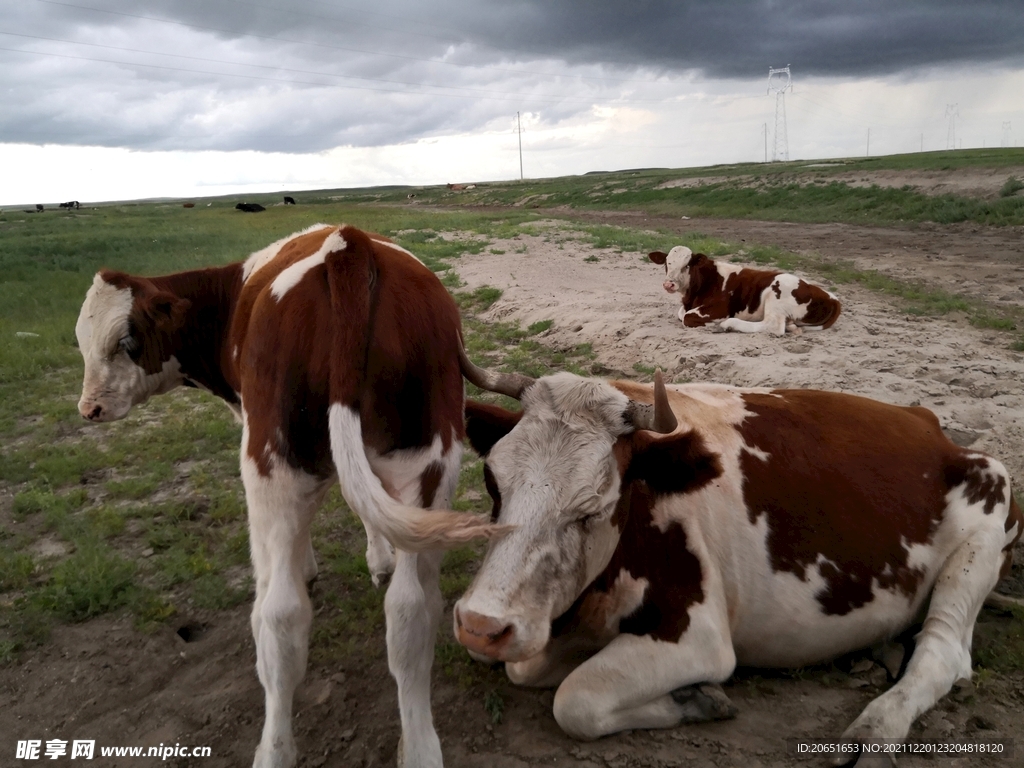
[[124, 332], [556, 472], [683, 268]]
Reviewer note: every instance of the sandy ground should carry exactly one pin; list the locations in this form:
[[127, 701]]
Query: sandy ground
[[967, 182], [967, 376], [105, 680]]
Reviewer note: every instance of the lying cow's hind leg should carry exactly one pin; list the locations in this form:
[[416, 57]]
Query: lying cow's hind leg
[[703, 703], [942, 653], [281, 507], [773, 323]]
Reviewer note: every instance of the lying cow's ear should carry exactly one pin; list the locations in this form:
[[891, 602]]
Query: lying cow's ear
[[680, 463], [487, 424], [166, 310], [658, 257]]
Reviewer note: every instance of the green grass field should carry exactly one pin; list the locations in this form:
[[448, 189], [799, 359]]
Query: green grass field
[[146, 516]]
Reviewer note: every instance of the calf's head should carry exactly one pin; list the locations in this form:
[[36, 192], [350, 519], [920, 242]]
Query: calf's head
[[125, 333], [684, 269], [556, 472]]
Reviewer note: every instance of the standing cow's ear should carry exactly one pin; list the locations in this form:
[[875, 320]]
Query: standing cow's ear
[[487, 424], [166, 311], [658, 257]]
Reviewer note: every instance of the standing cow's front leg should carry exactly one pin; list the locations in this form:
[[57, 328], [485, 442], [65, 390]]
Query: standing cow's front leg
[[281, 504], [641, 682]]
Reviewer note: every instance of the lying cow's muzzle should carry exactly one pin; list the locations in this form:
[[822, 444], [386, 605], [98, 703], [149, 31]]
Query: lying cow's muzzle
[[484, 635], [669, 286]]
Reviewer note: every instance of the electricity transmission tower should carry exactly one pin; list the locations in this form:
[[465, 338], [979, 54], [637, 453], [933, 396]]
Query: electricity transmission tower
[[780, 80], [952, 112], [519, 130], [1006, 134]]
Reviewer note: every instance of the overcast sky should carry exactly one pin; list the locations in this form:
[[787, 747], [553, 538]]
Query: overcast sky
[[119, 99]]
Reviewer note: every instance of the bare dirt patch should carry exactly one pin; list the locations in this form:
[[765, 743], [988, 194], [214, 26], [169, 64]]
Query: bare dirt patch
[[107, 681]]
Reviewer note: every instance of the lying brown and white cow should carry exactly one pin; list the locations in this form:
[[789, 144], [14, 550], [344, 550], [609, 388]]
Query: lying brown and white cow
[[673, 534], [340, 352], [743, 299]]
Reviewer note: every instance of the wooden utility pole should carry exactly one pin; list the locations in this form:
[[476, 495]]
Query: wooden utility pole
[[519, 130]]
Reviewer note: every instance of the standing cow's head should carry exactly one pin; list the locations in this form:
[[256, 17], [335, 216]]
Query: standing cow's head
[[125, 332], [556, 471]]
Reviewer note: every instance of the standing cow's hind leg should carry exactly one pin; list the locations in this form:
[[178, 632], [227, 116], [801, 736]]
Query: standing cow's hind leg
[[281, 506]]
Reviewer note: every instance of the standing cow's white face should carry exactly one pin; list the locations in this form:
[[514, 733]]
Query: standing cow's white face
[[110, 331], [676, 262]]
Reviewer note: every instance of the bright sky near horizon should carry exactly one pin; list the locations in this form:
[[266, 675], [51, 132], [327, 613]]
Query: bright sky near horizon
[[119, 99]]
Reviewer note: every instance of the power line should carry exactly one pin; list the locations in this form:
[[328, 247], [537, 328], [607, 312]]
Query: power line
[[282, 69], [508, 97], [236, 33]]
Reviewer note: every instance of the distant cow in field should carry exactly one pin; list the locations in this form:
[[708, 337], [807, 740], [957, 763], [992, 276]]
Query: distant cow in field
[[341, 355], [249, 207], [456, 187], [39, 207], [661, 537], [744, 299], [71, 204], [188, 205], [289, 200]]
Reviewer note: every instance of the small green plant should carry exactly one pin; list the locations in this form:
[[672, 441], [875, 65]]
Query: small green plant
[[1012, 186], [591, 259], [646, 370], [494, 705], [539, 327]]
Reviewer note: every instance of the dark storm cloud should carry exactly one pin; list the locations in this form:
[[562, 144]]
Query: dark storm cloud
[[722, 39], [301, 77]]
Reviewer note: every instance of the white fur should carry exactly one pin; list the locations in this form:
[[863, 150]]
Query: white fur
[[289, 277], [400, 249], [264, 256]]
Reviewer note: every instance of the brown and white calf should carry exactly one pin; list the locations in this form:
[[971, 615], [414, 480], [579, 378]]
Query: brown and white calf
[[340, 353], [663, 536], [743, 299]]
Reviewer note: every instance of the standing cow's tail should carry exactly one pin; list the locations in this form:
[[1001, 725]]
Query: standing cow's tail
[[352, 278]]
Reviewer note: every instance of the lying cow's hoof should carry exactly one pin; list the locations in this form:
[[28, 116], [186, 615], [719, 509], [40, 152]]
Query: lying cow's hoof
[[856, 759], [718, 327], [702, 703]]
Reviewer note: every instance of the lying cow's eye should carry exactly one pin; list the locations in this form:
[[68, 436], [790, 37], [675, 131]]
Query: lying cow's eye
[[585, 521], [127, 344]]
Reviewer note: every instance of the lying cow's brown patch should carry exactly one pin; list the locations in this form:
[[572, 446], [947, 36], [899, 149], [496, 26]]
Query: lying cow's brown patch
[[828, 489], [979, 483], [822, 309]]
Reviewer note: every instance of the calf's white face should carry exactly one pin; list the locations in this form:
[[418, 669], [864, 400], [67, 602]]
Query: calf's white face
[[676, 261], [114, 381], [555, 478]]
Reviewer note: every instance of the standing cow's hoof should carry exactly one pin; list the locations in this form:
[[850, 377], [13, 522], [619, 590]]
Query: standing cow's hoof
[[701, 703]]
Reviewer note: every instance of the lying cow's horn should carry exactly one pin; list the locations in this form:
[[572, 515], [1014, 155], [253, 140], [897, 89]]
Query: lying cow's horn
[[657, 417], [511, 384]]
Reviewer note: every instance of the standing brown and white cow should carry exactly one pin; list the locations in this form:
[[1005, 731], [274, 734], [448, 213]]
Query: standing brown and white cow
[[664, 536], [340, 353], [743, 299]]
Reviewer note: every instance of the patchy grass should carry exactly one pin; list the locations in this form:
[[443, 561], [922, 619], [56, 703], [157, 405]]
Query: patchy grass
[[1012, 186]]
